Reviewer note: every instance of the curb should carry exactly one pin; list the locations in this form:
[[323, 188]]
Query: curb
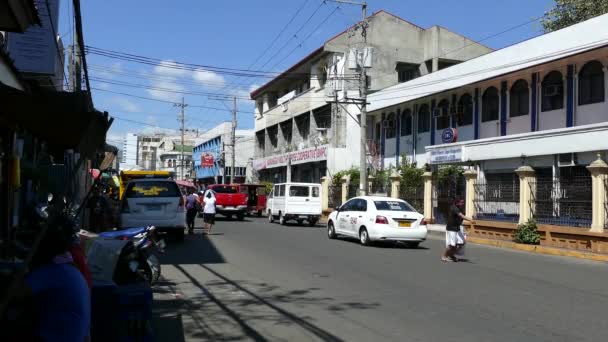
[[539, 249]]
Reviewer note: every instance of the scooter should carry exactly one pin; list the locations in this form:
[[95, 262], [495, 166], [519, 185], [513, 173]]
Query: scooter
[[140, 254]]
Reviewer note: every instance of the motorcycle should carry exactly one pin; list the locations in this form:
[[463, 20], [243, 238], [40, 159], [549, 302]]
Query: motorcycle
[[139, 255]]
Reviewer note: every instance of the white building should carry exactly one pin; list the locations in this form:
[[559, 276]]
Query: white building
[[129, 152], [301, 135]]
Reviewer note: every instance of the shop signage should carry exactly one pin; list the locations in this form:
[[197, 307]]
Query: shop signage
[[297, 157], [207, 159], [449, 135], [446, 155]]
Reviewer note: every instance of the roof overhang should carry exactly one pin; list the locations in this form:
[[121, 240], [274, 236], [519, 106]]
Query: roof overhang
[[18, 15]]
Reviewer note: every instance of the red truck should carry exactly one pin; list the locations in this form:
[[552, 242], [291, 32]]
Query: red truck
[[230, 199], [239, 199]]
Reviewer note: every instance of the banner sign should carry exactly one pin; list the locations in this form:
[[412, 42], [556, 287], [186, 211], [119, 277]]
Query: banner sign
[[207, 159], [296, 157], [449, 135], [446, 155]]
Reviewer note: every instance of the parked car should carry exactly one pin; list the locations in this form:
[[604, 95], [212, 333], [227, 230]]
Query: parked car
[[230, 200], [154, 202], [370, 219], [295, 201]]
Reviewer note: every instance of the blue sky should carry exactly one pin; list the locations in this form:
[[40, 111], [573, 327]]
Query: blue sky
[[233, 33]]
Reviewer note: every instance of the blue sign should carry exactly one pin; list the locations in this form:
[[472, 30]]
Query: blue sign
[[449, 135]]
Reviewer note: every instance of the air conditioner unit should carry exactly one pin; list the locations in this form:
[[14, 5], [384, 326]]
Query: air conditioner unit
[[567, 160], [554, 90]]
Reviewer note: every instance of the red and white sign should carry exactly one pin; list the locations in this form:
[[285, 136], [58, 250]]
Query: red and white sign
[[207, 159], [296, 157]]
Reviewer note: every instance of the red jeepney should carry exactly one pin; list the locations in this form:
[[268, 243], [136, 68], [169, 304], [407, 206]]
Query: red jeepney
[[256, 198]]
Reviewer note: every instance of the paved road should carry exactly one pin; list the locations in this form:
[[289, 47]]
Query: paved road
[[259, 281]]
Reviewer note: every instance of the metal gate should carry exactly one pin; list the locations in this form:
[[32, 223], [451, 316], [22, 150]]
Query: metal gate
[[444, 191]]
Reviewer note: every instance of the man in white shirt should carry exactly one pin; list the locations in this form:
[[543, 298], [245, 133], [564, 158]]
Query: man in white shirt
[[208, 211]]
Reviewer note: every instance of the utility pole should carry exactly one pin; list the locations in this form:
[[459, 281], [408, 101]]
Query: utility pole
[[233, 140], [182, 119]]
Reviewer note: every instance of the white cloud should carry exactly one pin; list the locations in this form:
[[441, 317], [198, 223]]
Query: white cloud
[[172, 96], [169, 68], [208, 78], [123, 104]]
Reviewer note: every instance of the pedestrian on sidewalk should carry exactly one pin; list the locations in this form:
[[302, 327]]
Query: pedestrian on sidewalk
[[454, 233], [209, 211], [191, 210]]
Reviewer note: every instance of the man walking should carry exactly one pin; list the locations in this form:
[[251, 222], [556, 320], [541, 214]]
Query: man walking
[[191, 210], [454, 234]]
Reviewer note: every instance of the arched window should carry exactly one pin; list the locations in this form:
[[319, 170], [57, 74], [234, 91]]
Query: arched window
[[489, 105], [406, 122], [424, 119], [443, 112], [553, 91], [591, 83], [389, 126], [464, 113], [519, 101]]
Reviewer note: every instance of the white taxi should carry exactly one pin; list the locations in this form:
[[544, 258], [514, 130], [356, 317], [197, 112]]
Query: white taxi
[[370, 218]]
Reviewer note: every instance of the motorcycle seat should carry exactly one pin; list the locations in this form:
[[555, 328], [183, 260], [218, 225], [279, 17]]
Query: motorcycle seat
[[129, 233]]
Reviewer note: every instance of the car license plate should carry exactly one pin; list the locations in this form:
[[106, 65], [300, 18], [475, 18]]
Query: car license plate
[[404, 224], [153, 207]]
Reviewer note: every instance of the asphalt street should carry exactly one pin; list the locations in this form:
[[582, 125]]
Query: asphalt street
[[258, 281]]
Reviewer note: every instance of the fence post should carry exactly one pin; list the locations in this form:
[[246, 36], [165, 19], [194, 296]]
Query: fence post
[[370, 184], [527, 178], [325, 193], [471, 193], [345, 185], [395, 184], [428, 195], [599, 173]]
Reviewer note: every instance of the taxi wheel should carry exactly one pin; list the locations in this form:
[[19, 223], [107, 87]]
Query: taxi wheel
[[331, 231], [364, 237]]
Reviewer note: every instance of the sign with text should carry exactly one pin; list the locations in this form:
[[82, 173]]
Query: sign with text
[[297, 157], [449, 135], [446, 155], [207, 159]]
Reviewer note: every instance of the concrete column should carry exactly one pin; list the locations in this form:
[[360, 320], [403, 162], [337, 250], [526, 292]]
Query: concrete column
[[471, 194], [324, 193], [428, 195], [599, 173], [527, 175], [345, 180], [370, 182], [395, 184]]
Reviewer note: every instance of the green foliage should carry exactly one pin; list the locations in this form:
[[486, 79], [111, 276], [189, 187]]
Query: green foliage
[[527, 233], [449, 172], [352, 172], [411, 175], [268, 186], [570, 12]]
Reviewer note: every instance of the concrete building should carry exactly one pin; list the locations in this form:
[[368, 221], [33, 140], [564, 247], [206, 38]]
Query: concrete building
[[301, 134], [216, 150], [128, 156], [540, 103]]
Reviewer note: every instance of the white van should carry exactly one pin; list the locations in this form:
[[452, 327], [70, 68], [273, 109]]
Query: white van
[[295, 201]]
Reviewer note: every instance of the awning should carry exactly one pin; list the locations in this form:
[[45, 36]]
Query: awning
[[64, 120]]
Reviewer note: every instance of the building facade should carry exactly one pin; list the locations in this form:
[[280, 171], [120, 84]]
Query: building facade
[[303, 134], [213, 156], [129, 151]]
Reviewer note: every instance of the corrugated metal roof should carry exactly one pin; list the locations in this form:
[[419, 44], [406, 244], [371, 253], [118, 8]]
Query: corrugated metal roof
[[585, 36]]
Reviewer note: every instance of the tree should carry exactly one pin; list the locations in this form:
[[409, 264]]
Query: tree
[[570, 12]]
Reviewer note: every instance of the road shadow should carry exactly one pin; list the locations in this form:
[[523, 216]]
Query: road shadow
[[243, 305], [181, 252], [382, 244]]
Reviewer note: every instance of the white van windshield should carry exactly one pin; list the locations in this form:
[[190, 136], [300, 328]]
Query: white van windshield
[[299, 191]]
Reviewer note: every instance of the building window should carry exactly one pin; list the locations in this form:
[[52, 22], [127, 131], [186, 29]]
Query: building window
[[519, 101], [406, 122], [424, 119], [489, 105], [407, 72], [303, 125], [443, 114], [464, 111], [591, 83], [389, 126], [553, 91]]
